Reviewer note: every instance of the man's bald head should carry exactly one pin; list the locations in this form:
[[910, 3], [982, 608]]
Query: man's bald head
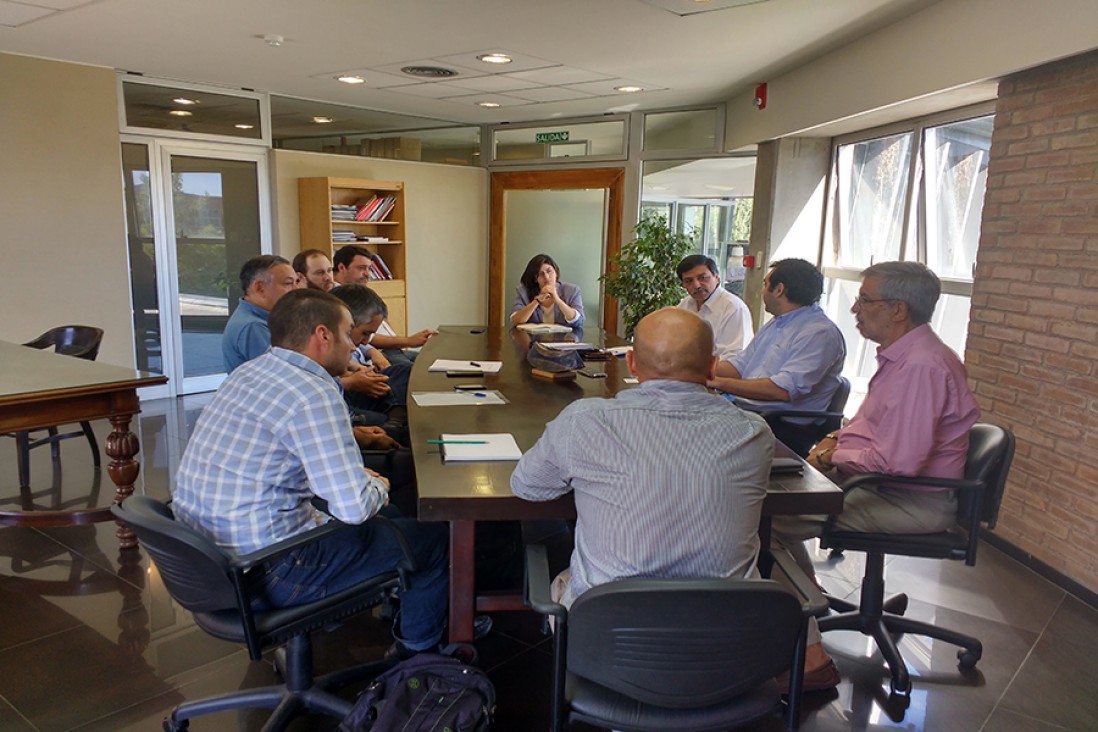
[[673, 343]]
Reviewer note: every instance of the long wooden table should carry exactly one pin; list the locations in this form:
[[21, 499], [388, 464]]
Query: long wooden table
[[41, 389], [464, 493]]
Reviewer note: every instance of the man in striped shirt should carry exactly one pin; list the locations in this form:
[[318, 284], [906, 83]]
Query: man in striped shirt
[[669, 480]]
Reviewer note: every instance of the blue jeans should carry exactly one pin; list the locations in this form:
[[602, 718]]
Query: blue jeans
[[343, 558]]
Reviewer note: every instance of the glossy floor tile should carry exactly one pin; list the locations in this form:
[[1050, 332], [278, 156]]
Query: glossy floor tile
[[90, 641]]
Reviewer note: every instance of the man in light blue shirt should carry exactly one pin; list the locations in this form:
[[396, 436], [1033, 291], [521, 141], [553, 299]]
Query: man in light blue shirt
[[795, 361], [276, 434], [264, 280]]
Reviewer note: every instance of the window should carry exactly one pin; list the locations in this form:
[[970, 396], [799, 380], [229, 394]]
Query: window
[[914, 192]]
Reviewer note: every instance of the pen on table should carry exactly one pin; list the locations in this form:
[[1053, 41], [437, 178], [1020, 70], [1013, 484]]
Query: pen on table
[[457, 442], [474, 363]]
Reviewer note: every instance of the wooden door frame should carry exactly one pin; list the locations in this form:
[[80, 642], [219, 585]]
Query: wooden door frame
[[611, 179]]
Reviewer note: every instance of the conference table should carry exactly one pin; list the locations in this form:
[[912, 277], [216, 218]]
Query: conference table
[[40, 389], [463, 493]]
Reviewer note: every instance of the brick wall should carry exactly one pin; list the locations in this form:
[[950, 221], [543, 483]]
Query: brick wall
[[1032, 352]]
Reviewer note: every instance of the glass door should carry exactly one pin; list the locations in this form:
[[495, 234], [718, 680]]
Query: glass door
[[194, 215]]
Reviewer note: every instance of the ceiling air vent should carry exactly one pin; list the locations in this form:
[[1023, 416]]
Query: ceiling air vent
[[429, 72]]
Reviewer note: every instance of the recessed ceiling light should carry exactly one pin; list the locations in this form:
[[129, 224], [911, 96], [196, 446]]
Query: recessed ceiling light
[[322, 120], [628, 89], [243, 127], [184, 100], [180, 113], [494, 58], [488, 105], [351, 79]]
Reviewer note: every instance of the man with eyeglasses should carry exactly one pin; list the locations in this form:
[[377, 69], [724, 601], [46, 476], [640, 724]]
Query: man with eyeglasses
[[914, 421], [726, 314]]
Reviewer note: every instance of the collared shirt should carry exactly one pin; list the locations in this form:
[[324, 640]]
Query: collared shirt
[[916, 415], [802, 352], [246, 335], [730, 319], [669, 481], [276, 434]]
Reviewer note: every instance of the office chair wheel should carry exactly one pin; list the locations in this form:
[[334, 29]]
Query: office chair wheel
[[172, 725], [967, 658]]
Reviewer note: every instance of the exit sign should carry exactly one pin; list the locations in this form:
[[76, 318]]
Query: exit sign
[[561, 136]]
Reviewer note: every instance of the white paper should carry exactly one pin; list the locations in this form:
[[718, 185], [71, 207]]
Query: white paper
[[544, 328], [485, 367], [619, 351], [567, 346], [631, 380], [457, 398], [497, 446]]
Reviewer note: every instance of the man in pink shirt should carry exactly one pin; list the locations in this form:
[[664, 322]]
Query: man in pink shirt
[[914, 421]]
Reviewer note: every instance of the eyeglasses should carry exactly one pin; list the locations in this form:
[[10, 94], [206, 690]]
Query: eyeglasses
[[862, 300]]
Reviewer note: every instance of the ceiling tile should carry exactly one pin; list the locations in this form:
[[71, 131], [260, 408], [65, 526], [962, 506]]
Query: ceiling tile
[[470, 62], [502, 100], [429, 91], [549, 94], [14, 15], [607, 87], [374, 79], [499, 82], [693, 7], [559, 75]]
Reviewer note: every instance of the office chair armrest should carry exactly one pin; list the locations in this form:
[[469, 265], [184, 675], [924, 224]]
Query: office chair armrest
[[856, 481], [41, 342], [537, 583], [785, 570]]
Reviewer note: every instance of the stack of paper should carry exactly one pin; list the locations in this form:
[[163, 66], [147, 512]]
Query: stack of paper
[[545, 328], [486, 367], [480, 447]]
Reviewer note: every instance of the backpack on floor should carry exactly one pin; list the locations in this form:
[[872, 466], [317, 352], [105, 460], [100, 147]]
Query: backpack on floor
[[425, 693]]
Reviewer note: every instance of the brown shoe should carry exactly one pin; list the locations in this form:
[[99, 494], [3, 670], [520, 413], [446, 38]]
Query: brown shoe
[[819, 679]]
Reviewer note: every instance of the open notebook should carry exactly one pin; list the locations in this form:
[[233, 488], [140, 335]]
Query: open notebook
[[496, 446]]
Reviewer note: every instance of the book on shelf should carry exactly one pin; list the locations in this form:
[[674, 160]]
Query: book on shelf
[[381, 266], [364, 206], [374, 239], [383, 209]]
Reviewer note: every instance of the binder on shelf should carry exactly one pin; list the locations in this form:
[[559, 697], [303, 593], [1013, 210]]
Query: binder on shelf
[[380, 264]]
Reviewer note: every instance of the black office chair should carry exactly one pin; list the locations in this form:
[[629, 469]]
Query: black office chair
[[990, 451], [80, 341], [802, 437], [215, 588], [669, 654]]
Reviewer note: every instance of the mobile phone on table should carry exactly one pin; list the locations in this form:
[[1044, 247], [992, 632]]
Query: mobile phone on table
[[593, 374], [470, 387]]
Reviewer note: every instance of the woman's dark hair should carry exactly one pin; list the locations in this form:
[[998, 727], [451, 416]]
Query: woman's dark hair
[[530, 275]]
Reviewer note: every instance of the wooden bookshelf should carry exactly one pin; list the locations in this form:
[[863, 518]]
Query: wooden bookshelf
[[316, 196]]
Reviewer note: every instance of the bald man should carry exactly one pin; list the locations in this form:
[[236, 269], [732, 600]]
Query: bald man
[[669, 479]]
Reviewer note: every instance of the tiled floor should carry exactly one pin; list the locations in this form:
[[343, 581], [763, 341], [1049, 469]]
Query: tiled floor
[[89, 639]]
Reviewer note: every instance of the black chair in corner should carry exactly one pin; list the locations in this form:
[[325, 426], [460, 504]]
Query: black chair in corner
[[990, 451], [80, 341], [802, 437], [669, 654], [215, 588]]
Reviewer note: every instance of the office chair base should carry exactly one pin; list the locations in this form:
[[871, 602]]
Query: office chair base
[[287, 703]]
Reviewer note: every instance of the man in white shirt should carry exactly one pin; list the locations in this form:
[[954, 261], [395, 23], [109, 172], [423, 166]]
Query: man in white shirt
[[726, 313]]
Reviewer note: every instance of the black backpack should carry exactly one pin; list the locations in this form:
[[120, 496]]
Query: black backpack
[[425, 693]]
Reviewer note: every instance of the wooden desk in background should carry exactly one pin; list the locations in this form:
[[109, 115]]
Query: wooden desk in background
[[464, 493], [41, 389]]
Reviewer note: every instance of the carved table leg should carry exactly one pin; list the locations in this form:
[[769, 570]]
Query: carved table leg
[[121, 446]]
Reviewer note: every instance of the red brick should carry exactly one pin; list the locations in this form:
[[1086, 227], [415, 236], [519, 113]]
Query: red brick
[[1045, 193], [1039, 372], [1004, 165], [1068, 208], [1024, 178], [1051, 309], [1055, 159], [986, 316], [1011, 195], [1021, 132], [1001, 333], [986, 346], [1020, 382], [1018, 354], [1026, 322], [1001, 226], [1031, 114], [1089, 190], [1084, 350], [1076, 331], [1075, 226], [1039, 226], [1075, 174], [1091, 280], [1036, 145], [1086, 121], [1064, 142], [1083, 384], [1050, 127], [1079, 261], [1061, 243], [1047, 343], [1057, 276], [1023, 290], [1069, 363], [1062, 396]]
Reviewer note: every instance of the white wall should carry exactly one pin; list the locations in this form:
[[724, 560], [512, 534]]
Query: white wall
[[62, 231], [948, 45], [447, 228]]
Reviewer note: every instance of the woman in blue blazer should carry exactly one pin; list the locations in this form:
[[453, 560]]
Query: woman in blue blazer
[[543, 298]]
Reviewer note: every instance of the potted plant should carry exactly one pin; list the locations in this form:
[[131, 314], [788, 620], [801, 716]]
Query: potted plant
[[642, 275]]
